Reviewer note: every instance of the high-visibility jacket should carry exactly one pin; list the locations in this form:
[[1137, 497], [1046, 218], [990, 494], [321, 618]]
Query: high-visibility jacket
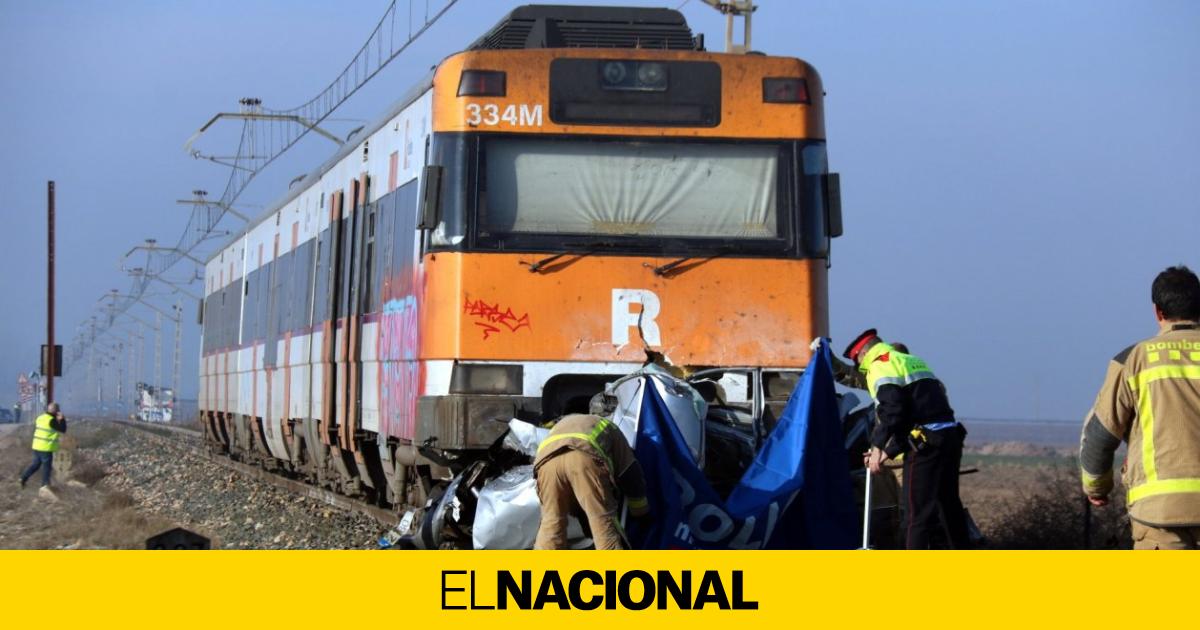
[[1151, 400], [907, 397], [601, 439], [45, 437]]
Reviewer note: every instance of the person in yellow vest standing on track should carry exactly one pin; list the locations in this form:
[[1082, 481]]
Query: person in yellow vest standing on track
[[583, 468], [46, 431], [1150, 399]]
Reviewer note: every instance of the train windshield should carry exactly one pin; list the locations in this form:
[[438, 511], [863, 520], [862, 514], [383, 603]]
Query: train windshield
[[658, 189]]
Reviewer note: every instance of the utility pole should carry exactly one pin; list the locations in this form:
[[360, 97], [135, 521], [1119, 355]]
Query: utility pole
[[141, 360], [158, 349], [51, 364], [141, 353], [133, 369], [175, 354]]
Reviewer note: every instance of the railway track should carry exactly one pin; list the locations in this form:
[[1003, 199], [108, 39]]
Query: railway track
[[194, 441]]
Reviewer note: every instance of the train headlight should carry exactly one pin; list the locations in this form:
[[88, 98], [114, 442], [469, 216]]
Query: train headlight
[[633, 76], [486, 378], [652, 76], [614, 73]]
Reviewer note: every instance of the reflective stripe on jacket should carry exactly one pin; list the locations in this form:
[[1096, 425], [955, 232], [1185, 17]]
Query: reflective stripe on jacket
[[602, 440], [1151, 400], [884, 365], [907, 395], [45, 438]]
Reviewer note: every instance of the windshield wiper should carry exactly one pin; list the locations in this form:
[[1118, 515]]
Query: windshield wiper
[[666, 268], [589, 248]]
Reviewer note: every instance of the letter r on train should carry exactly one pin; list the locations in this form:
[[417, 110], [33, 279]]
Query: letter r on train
[[625, 317]]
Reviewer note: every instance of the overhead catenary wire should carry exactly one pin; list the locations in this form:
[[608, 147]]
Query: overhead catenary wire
[[258, 147]]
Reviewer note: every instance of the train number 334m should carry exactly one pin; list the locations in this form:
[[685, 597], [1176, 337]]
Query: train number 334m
[[522, 115]]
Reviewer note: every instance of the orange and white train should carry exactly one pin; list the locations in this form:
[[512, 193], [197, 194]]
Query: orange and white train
[[580, 187]]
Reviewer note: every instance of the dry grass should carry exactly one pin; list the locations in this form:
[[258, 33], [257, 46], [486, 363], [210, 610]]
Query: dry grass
[[84, 517], [88, 471], [1050, 513], [112, 523], [118, 501], [96, 436]]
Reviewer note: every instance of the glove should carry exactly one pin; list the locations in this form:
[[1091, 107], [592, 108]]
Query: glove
[[815, 344]]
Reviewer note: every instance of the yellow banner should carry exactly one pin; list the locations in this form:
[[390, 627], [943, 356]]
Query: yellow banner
[[494, 590]]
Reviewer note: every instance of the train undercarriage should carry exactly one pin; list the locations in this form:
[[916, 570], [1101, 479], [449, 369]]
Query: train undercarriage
[[438, 488]]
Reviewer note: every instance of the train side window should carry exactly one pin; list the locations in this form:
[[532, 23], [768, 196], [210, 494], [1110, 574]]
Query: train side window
[[404, 253], [387, 220], [263, 301], [304, 277], [247, 305], [450, 152], [814, 166], [321, 283], [315, 281], [368, 274], [300, 268], [206, 324], [235, 312], [285, 293]]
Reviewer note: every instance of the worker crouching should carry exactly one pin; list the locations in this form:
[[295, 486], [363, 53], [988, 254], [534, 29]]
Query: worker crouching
[[583, 468]]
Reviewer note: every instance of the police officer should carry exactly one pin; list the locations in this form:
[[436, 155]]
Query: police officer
[[914, 418], [580, 467], [1151, 399], [46, 431]]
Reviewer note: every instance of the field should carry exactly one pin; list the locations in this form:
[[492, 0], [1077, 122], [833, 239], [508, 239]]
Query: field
[[88, 514], [1026, 492], [121, 489], [1034, 502]]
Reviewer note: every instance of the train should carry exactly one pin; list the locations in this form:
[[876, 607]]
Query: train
[[583, 190]]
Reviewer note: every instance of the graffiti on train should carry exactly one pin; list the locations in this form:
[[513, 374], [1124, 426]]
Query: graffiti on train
[[492, 318], [401, 372]]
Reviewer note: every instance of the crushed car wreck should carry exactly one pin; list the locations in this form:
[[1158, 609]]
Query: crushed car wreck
[[724, 421]]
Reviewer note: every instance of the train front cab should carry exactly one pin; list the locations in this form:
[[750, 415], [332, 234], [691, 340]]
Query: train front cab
[[599, 207]]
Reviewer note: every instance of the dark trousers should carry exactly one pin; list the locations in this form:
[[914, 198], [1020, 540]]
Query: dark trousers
[[42, 460], [931, 491]]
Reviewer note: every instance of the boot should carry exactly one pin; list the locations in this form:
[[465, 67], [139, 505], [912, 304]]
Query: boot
[[46, 493]]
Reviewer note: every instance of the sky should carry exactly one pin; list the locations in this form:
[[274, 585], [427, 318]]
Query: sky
[[1014, 174]]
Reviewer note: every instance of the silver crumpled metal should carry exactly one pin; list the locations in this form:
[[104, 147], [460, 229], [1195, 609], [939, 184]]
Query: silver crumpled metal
[[509, 512], [524, 437]]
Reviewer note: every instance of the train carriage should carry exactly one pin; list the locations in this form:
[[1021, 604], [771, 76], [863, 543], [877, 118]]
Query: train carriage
[[582, 188]]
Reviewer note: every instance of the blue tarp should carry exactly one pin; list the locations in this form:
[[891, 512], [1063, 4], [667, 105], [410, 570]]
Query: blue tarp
[[796, 494]]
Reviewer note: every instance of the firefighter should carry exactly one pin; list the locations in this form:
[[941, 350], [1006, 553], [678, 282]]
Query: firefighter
[[46, 431], [914, 418], [579, 468], [1151, 399]]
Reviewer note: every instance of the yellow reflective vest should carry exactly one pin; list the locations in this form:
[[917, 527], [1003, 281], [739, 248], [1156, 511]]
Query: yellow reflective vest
[[908, 397], [1151, 400], [601, 439], [45, 438], [884, 365]]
